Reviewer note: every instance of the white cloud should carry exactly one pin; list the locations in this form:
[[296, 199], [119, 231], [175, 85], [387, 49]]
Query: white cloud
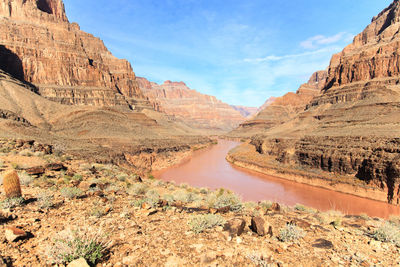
[[290, 56], [318, 40]]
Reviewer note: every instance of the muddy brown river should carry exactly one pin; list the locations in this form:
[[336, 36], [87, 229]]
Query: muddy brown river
[[208, 168]]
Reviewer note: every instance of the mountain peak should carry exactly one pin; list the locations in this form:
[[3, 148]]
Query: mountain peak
[[43, 10]]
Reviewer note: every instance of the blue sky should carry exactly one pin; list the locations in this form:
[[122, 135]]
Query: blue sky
[[242, 52]]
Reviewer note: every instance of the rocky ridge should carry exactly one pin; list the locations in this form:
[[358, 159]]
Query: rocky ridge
[[196, 109], [67, 65], [352, 127]]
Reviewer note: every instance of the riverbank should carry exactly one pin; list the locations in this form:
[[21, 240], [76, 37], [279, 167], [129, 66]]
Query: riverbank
[[245, 156]]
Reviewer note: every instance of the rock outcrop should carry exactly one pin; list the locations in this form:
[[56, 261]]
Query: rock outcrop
[[196, 109], [67, 65], [278, 110], [247, 112], [352, 127]]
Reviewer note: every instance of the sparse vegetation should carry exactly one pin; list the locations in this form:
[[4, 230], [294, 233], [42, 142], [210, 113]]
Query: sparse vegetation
[[200, 223], [258, 260], [184, 196], [45, 200], [138, 189], [86, 243], [221, 199], [300, 207], [388, 232], [71, 192], [10, 203], [290, 233]]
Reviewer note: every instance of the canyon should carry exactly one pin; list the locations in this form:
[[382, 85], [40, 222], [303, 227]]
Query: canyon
[[349, 129], [195, 109], [278, 110]]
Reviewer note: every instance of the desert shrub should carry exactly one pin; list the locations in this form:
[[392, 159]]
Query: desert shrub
[[25, 178], [1, 163], [86, 243], [13, 202], [300, 207], [250, 205], [265, 205], [97, 211], [290, 233], [138, 189], [186, 197], [45, 200], [364, 216], [388, 232], [77, 177], [221, 199], [394, 219], [152, 197], [151, 177], [169, 198], [71, 192], [138, 202], [122, 177], [204, 191], [200, 223], [258, 260]]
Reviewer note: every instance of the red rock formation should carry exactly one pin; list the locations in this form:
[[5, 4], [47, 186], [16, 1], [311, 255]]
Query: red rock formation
[[352, 127], [65, 63], [278, 110], [195, 109]]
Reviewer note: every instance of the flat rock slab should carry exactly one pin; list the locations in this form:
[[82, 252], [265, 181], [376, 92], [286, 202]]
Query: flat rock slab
[[13, 234], [323, 243]]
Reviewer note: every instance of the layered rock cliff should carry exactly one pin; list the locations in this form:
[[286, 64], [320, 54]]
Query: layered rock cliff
[[247, 112], [196, 109], [67, 65], [278, 110], [351, 128]]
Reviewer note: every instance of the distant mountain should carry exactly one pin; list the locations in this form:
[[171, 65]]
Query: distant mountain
[[196, 109]]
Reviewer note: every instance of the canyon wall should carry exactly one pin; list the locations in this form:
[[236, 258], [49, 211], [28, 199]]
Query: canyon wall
[[278, 110], [196, 109], [352, 128], [67, 65]]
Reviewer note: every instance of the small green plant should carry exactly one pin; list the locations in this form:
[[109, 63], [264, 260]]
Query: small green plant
[[86, 243], [222, 199], [265, 205], [290, 232], [138, 189], [10, 203], [300, 207], [186, 197], [200, 223], [1, 163], [138, 203], [71, 192], [26, 153], [388, 232], [151, 177], [45, 200], [337, 222], [15, 166], [97, 211], [258, 260], [152, 197]]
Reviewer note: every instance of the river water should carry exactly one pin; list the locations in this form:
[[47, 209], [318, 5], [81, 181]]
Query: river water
[[208, 168]]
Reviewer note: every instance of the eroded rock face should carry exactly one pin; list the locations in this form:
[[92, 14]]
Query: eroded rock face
[[278, 110], [39, 45], [352, 127], [194, 108]]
